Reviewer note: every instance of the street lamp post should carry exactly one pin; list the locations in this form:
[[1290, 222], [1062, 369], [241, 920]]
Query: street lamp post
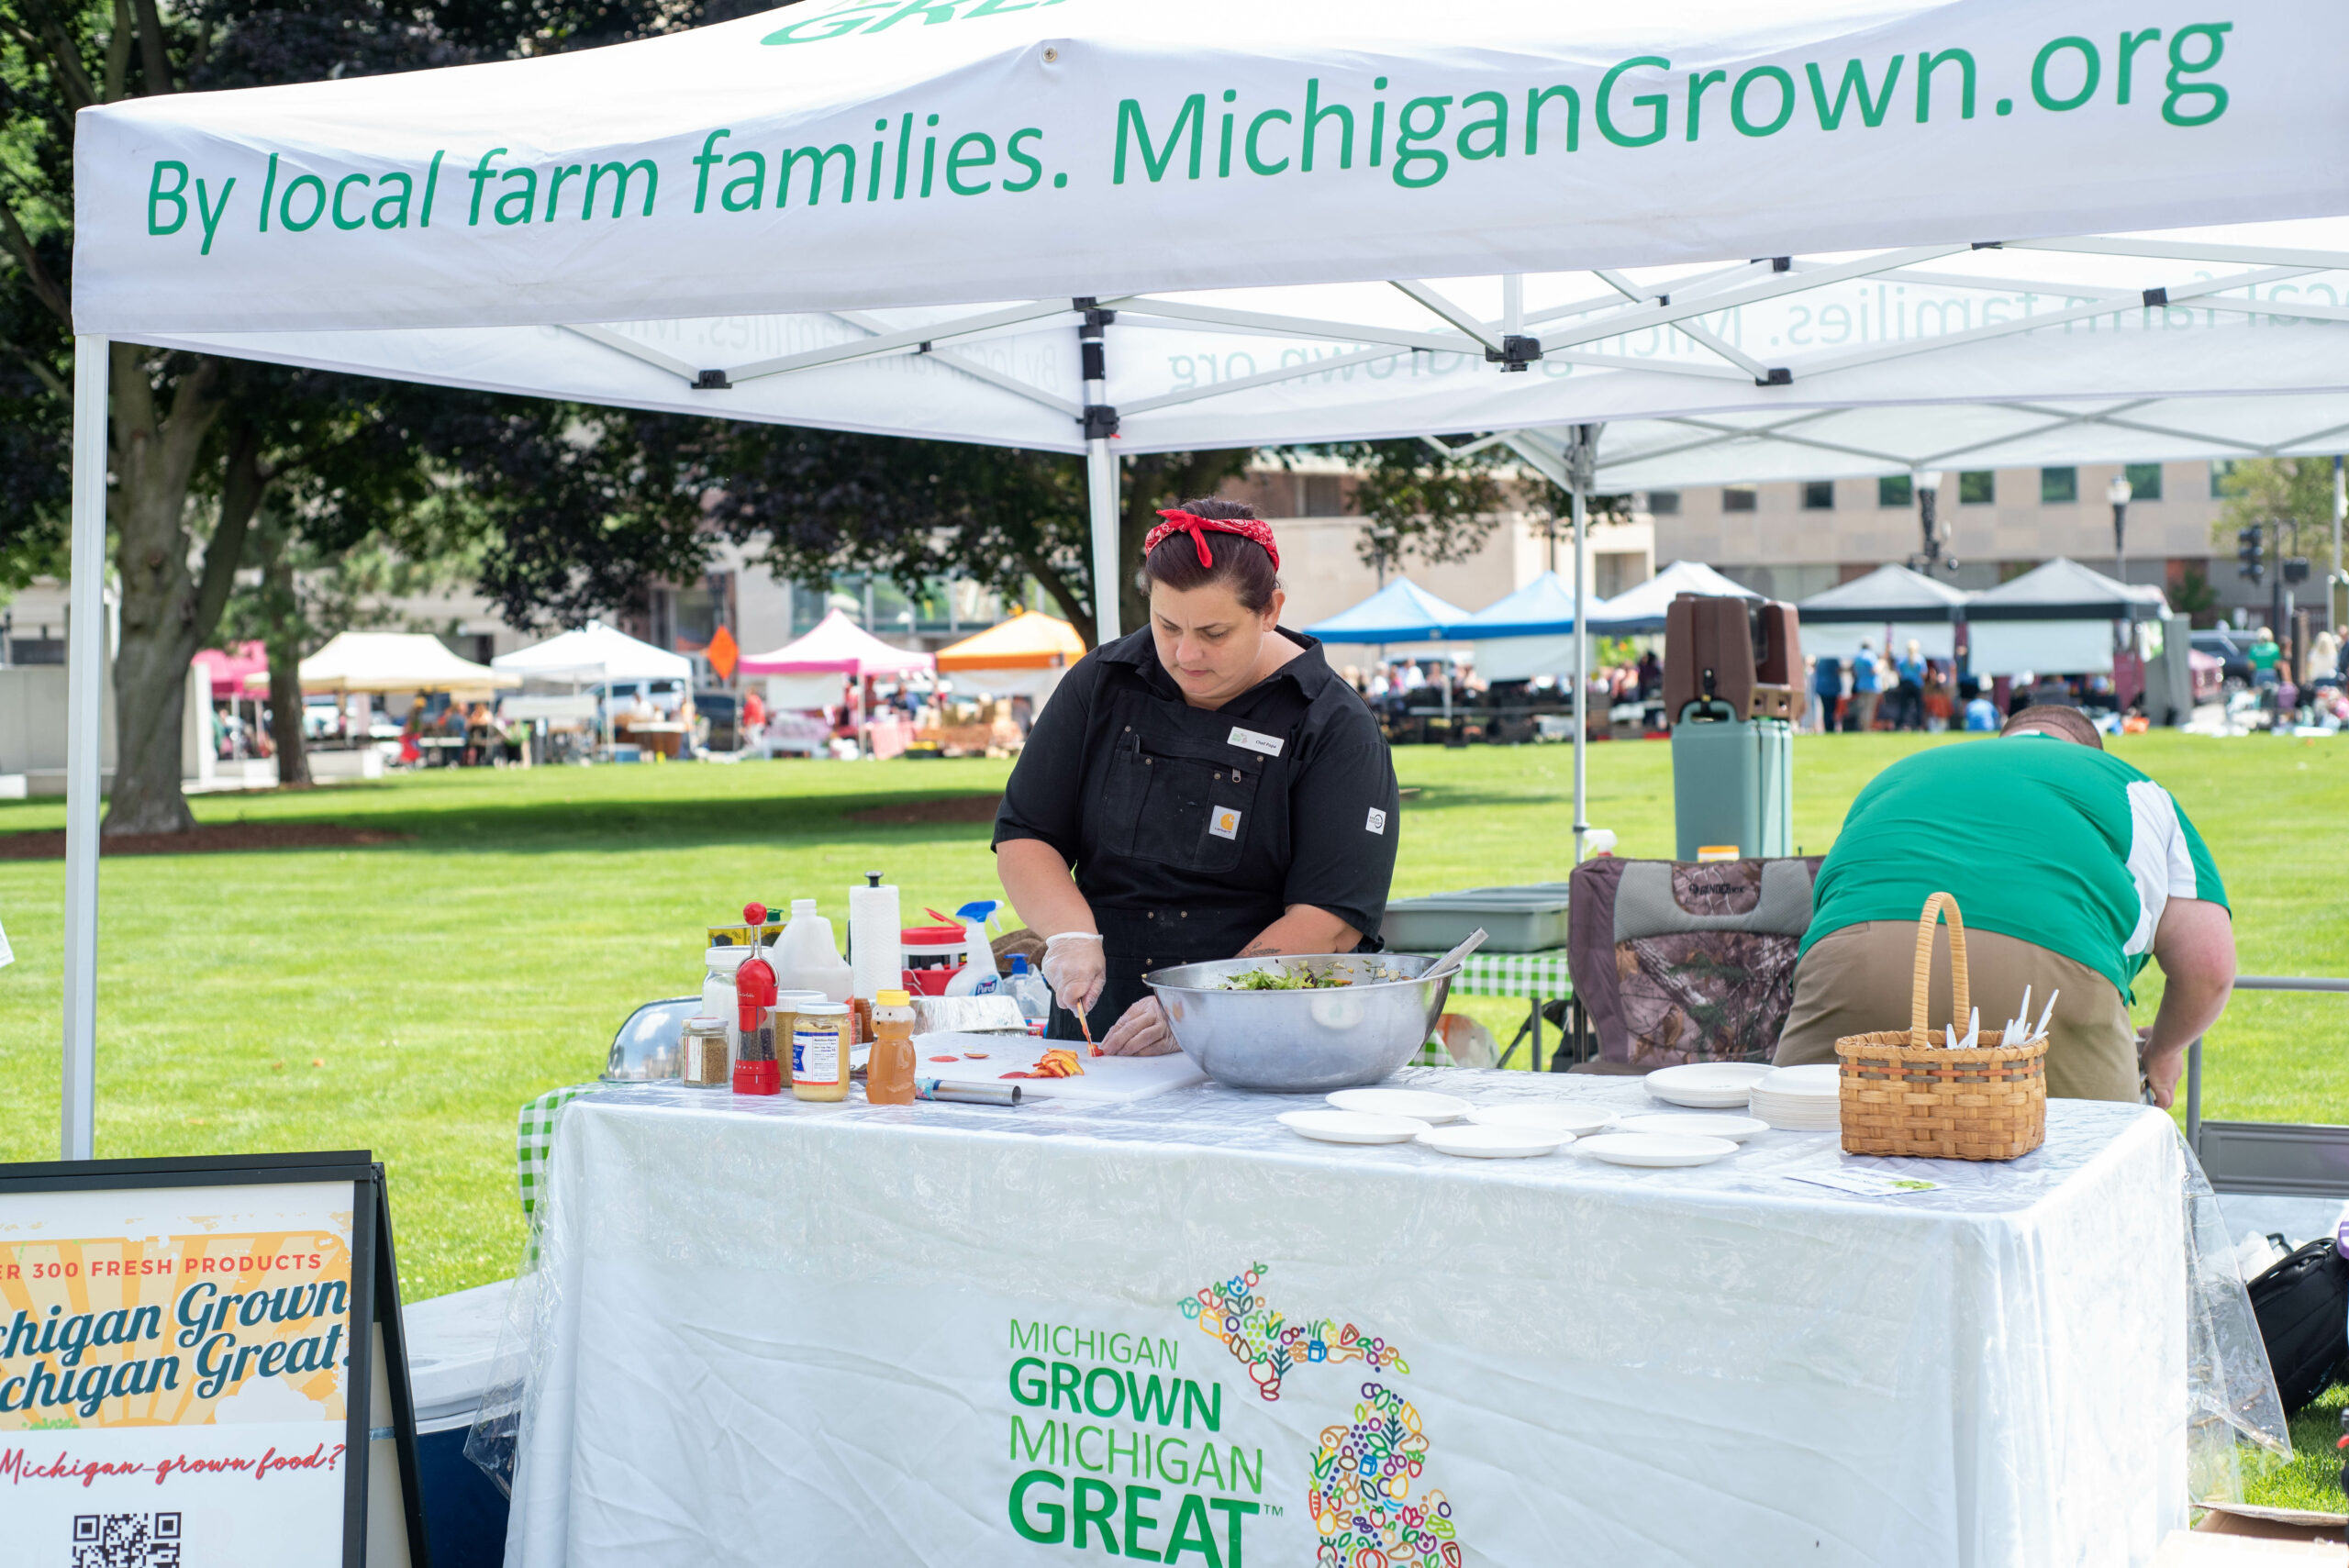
[[2117, 493], [1928, 487]]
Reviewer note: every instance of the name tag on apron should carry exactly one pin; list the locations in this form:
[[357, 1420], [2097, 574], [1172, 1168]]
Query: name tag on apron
[[1249, 740], [1224, 823]]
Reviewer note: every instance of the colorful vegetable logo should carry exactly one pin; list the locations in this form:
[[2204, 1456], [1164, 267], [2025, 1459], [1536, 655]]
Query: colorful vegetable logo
[[1362, 1471]]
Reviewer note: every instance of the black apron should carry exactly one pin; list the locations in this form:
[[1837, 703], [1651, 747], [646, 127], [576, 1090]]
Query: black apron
[[1172, 785]]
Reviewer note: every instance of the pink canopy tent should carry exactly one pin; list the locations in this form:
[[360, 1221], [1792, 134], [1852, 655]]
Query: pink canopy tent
[[229, 670], [837, 646]]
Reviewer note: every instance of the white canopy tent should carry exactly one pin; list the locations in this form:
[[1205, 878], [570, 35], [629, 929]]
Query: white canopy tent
[[594, 652], [396, 661], [1888, 608], [1641, 608], [2058, 618], [1489, 145]]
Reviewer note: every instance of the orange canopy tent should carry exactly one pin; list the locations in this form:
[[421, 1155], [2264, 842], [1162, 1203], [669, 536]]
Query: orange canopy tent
[[1029, 640]]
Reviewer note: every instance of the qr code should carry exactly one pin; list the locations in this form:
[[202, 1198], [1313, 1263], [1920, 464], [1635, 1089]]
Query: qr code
[[126, 1540]]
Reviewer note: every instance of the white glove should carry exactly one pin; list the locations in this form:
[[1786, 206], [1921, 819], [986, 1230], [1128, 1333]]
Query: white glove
[[1075, 968], [1144, 1031]]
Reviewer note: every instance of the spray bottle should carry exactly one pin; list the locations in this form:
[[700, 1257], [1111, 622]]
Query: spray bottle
[[978, 976]]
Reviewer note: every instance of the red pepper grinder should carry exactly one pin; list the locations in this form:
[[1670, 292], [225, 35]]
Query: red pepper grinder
[[756, 1070]]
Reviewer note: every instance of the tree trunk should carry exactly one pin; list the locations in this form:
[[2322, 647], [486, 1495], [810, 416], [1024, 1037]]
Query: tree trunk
[[281, 638], [1078, 610], [167, 611]]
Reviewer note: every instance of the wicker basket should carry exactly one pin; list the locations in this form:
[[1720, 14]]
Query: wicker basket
[[1903, 1094]]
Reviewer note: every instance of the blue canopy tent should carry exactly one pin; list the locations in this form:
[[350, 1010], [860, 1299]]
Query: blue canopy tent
[[1528, 633], [1400, 612]]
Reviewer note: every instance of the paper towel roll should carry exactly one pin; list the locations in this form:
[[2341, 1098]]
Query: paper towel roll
[[873, 928]]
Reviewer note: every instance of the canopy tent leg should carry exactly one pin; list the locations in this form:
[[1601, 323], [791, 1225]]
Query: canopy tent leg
[[86, 711], [1581, 460], [1100, 467], [1101, 476]]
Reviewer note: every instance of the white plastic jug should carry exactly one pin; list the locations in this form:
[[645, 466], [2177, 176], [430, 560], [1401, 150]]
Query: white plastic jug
[[806, 956]]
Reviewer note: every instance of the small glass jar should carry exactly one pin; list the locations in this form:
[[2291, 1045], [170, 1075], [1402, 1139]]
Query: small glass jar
[[708, 1060], [719, 964]]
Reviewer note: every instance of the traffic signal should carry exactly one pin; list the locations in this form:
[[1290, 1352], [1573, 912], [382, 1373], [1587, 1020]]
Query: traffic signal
[[2247, 552], [2295, 568]]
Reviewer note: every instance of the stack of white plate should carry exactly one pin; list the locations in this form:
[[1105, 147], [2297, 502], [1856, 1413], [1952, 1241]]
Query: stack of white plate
[[1802, 1098], [1707, 1086]]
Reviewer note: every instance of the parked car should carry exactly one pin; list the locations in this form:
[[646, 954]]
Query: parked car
[[723, 709], [666, 695], [2231, 648]]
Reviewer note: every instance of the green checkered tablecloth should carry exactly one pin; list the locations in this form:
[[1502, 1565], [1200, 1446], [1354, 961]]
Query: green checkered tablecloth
[[534, 1137], [1540, 974]]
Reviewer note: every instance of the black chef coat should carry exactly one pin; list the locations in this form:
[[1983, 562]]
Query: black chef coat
[[1191, 829]]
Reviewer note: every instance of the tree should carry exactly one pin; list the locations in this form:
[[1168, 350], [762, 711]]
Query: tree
[[196, 441], [2293, 491]]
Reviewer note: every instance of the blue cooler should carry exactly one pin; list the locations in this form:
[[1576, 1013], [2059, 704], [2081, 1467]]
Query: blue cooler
[[451, 1344]]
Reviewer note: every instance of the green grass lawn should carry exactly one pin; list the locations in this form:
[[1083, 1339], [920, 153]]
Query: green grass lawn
[[407, 997]]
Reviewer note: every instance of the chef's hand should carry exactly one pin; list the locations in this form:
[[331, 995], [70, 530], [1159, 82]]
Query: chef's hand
[[1075, 969], [1144, 1031]]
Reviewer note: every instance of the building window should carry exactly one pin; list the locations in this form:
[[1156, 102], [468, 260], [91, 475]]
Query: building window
[[1895, 490], [1664, 503], [1324, 495], [36, 650], [2058, 486], [2144, 481], [2221, 470], [1737, 497], [1977, 487], [1818, 496]]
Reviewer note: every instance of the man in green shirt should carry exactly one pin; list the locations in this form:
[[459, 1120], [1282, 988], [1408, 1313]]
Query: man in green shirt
[[2070, 868], [2264, 653]]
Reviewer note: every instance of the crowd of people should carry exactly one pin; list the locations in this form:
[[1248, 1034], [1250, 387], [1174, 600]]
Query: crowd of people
[[1874, 690]]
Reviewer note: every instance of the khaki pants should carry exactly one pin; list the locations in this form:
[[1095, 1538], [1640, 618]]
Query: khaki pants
[[1858, 980]]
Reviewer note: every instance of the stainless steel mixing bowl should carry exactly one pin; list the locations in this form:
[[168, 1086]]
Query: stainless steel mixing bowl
[[1305, 1042]]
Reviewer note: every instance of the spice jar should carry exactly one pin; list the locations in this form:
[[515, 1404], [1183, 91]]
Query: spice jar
[[708, 1063]]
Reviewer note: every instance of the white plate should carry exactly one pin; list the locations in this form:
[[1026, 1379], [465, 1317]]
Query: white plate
[[1706, 1085], [1656, 1150], [1692, 1124], [1573, 1119], [1820, 1081], [1352, 1126], [1494, 1142], [1431, 1108]]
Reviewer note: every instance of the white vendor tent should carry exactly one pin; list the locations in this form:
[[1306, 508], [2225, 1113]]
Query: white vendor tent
[[594, 652], [1887, 609], [703, 222], [1641, 608], [396, 661], [807, 671], [2058, 618]]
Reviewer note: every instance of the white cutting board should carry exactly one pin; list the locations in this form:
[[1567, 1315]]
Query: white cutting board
[[1107, 1080]]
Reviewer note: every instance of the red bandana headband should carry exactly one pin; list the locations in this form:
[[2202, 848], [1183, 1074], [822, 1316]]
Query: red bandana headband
[[1198, 528]]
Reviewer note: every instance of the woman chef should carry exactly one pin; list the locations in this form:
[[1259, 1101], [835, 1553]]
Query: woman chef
[[1203, 788]]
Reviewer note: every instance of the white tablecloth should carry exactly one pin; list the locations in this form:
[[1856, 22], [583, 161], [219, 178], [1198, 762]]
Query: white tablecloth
[[769, 1333]]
